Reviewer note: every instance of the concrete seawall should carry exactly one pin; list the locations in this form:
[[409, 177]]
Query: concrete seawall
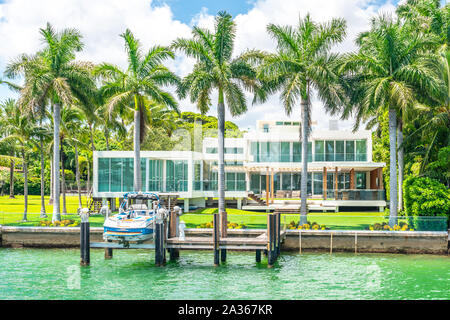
[[312, 240]]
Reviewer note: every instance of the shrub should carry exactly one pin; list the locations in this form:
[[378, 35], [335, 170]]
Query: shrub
[[426, 197]]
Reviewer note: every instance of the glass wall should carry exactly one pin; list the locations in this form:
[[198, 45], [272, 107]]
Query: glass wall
[[155, 175], [176, 175], [264, 151], [360, 180], [117, 174], [361, 154], [340, 150]]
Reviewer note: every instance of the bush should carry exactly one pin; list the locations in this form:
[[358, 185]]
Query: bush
[[426, 197]]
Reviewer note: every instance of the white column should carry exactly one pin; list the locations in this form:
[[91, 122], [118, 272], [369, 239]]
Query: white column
[[239, 203], [186, 205]]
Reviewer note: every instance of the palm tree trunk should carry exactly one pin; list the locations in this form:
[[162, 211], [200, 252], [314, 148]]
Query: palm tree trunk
[[77, 177], [52, 194], [92, 149], [56, 191], [25, 187], [11, 179], [304, 176], [137, 150], [43, 214], [393, 203], [221, 174], [63, 179], [401, 164], [107, 138]]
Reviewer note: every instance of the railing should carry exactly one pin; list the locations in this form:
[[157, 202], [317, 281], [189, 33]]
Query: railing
[[338, 156], [318, 221], [357, 194], [318, 157], [212, 185]]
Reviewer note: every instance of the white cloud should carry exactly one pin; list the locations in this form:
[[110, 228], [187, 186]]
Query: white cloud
[[101, 22]]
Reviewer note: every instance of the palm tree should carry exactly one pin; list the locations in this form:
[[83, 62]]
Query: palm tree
[[55, 78], [390, 70], [144, 77], [21, 128], [216, 69], [303, 63]]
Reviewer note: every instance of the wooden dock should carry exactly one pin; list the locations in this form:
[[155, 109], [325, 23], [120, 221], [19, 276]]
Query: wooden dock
[[167, 239]]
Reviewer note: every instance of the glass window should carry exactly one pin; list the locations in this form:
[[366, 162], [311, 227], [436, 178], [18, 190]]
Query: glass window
[[285, 152], [254, 151], [286, 181], [296, 181], [318, 183], [329, 150], [176, 175], [274, 151], [344, 181], [319, 150], [339, 151], [264, 148], [240, 181], [155, 175], [127, 174], [103, 174], [350, 150], [197, 172], [296, 152], [361, 154], [143, 173], [330, 181], [255, 183], [116, 175], [230, 179], [211, 150], [279, 123], [265, 128], [360, 180]]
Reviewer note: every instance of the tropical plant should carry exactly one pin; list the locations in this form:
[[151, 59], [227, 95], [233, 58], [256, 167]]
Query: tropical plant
[[389, 72], [303, 64], [21, 128], [144, 78], [216, 69], [54, 77]]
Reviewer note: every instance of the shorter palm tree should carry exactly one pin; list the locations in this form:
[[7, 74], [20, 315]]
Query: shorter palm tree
[[19, 127], [128, 90]]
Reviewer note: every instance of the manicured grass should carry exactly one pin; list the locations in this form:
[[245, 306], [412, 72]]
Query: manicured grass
[[11, 213], [34, 204], [335, 221]]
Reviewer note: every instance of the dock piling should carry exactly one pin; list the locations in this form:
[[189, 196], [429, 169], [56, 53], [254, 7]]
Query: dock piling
[[216, 238], [159, 240], [258, 256], [85, 239], [270, 240], [108, 252]]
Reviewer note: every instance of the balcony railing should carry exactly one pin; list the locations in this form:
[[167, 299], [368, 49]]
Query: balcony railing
[[357, 194], [212, 185]]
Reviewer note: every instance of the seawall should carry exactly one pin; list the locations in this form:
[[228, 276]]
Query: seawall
[[311, 240]]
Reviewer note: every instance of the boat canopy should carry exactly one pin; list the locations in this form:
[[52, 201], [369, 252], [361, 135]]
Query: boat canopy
[[141, 196]]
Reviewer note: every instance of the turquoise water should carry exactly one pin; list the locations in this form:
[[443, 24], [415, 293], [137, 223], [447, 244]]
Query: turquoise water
[[131, 274]]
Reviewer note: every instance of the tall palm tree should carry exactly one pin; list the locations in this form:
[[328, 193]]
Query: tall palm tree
[[56, 78], [303, 64], [390, 70], [216, 69], [144, 77], [21, 128]]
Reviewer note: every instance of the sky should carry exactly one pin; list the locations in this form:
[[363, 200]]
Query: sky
[[161, 21]]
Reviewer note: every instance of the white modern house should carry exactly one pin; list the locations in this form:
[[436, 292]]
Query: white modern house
[[341, 172]]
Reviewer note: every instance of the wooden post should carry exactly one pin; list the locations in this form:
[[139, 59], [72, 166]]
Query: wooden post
[[108, 252], [324, 177], [267, 186], [173, 232], [380, 179], [352, 179], [336, 184], [159, 240], [331, 243], [270, 240], [216, 238], [85, 240], [272, 186], [258, 256], [278, 232]]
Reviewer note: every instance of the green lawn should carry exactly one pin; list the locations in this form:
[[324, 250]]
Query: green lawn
[[11, 211]]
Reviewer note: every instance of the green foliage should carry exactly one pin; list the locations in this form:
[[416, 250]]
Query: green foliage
[[426, 197]]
